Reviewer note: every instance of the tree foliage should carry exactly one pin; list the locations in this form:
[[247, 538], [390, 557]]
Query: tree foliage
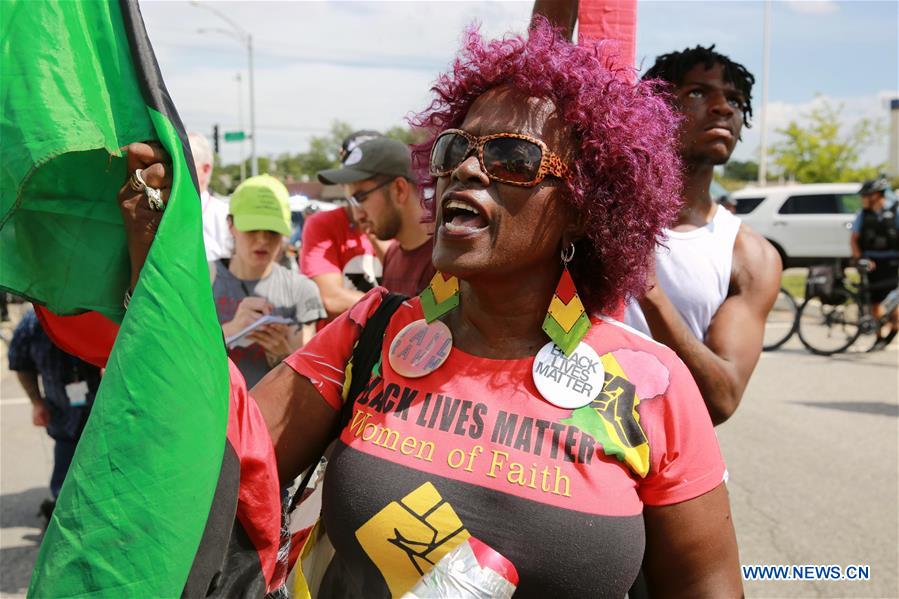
[[820, 148], [322, 154], [742, 171]]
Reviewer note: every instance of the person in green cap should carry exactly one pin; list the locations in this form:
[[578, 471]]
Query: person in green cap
[[251, 285]]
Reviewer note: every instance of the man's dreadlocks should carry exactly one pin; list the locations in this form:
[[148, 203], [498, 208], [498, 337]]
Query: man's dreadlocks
[[674, 66]]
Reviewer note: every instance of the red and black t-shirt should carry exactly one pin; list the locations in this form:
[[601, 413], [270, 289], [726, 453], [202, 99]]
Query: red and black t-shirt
[[473, 450], [408, 271]]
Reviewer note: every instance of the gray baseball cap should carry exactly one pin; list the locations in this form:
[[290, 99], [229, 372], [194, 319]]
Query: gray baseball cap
[[379, 156]]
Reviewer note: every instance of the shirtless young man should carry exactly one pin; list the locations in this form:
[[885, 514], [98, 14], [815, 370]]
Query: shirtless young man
[[717, 278]]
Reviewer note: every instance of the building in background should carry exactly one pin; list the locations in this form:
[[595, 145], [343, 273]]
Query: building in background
[[893, 162]]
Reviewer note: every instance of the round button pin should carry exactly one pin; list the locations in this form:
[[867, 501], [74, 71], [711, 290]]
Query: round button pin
[[420, 348], [569, 382]]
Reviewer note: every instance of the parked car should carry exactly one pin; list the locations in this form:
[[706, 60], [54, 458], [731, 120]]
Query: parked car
[[717, 191], [808, 224]]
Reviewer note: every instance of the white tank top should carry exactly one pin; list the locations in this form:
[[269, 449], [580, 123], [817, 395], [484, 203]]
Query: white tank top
[[693, 269]]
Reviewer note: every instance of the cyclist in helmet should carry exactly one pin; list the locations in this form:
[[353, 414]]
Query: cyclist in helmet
[[875, 236]]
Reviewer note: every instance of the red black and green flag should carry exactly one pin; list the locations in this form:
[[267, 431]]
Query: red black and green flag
[[174, 448]]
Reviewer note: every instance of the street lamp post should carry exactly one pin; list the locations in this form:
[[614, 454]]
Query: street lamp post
[[243, 36], [243, 162]]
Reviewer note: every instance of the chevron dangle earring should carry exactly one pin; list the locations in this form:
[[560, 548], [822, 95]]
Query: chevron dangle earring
[[439, 297], [567, 372], [422, 347]]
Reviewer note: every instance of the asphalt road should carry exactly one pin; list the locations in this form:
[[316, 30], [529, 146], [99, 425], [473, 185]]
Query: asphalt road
[[814, 480], [812, 455]]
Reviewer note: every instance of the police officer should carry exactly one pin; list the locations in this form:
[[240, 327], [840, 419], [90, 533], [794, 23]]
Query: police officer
[[875, 236]]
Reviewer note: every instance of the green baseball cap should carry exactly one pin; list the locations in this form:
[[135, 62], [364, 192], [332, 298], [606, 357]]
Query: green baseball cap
[[378, 156], [260, 204]]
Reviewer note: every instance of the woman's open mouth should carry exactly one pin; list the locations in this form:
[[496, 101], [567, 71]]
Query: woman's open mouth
[[461, 218]]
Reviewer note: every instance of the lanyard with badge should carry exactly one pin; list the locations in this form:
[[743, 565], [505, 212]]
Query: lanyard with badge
[[76, 391]]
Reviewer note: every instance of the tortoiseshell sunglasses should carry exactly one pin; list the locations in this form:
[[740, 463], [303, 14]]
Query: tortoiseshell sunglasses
[[512, 158]]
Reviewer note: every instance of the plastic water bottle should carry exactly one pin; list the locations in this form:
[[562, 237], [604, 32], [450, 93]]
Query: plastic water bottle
[[473, 570]]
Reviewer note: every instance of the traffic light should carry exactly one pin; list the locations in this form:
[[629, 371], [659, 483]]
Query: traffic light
[[215, 138]]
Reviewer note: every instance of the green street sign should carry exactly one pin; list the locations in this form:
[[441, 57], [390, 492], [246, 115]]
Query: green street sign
[[235, 135]]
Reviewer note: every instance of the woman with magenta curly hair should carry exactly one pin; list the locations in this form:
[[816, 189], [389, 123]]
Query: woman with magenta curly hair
[[502, 404]]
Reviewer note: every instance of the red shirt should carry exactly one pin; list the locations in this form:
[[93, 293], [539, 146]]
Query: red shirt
[[472, 449], [331, 243], [408, 272]]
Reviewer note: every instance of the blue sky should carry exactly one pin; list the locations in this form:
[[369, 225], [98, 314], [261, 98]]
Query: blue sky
[[839, 49], [371, 63]]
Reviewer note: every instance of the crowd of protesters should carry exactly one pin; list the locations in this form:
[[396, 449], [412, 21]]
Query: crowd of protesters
[[525, 177], [520, 168]]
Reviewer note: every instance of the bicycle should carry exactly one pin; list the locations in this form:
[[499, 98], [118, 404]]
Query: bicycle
[[829, 323], [780, 324]]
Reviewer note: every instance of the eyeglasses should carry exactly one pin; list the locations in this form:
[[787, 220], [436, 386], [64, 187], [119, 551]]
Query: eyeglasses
[[511, 158], [357, 198]]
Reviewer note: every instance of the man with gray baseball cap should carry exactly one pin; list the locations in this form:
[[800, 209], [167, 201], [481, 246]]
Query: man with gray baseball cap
[[381, 189], [376, 157], [383, 197]]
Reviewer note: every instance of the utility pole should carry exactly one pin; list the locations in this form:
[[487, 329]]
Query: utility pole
[[766, 59], [255, 163], [243, 162]]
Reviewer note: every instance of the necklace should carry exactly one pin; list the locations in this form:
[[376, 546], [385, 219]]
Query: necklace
[[567, 372]]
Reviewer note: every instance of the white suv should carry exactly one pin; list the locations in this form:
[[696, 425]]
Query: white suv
[[808, 224]]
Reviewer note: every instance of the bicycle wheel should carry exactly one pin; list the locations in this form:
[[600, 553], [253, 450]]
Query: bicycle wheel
[[829, 328], [781, 322]]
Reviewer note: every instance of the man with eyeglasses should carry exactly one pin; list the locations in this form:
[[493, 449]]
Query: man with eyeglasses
[[337, 253], [384, 199]]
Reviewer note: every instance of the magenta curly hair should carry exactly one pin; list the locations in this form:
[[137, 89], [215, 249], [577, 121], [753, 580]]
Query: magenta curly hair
[[626, 174]]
